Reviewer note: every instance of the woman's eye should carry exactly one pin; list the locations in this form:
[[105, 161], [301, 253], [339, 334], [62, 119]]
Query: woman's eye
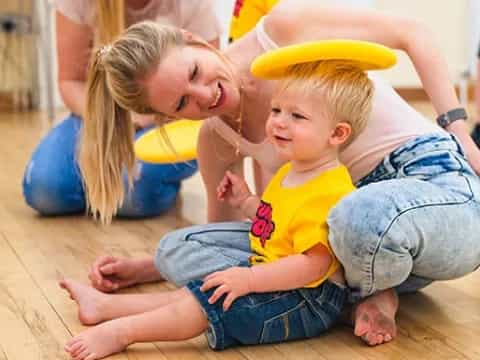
[[194, 73], [181, 103], [298, 116]]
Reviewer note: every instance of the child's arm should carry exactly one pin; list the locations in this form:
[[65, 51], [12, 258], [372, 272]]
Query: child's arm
[[235, 190], [290, 272]]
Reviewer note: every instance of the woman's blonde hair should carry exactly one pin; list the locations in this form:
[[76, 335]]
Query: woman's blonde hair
[[344, 90], [114, 88], [110, 20]]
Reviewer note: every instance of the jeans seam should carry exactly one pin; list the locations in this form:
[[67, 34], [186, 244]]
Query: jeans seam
[[371, 264], [279, 316], [214, 248]]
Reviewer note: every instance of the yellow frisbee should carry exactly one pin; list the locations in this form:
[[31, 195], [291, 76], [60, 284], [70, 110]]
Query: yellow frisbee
[[369, 56], [179, 144]]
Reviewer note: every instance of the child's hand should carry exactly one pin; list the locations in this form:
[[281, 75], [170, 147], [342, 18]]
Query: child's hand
[[233, 282], [234, 189]]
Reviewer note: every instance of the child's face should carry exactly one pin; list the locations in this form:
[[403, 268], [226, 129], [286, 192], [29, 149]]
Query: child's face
[[299, 128]]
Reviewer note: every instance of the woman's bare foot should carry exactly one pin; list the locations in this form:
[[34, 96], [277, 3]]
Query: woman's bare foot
[[98, 342], [374, 318], [89, 301]]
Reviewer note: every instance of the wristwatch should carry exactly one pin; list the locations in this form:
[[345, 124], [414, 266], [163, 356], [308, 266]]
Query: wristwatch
[[449, 117]]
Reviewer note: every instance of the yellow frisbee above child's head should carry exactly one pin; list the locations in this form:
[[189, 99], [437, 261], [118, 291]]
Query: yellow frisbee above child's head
[[367, 55], [171, 143]]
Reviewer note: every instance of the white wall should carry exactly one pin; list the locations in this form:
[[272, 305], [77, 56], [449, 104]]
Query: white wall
[[456, 25], [449, 21]]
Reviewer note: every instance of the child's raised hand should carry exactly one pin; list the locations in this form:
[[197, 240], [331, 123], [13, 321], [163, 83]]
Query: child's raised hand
[[234, 189], [233, 282]]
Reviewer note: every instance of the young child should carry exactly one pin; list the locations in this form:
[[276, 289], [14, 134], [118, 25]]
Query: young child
[[291, 285]]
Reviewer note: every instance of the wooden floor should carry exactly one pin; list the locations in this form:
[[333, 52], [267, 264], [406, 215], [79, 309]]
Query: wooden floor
[[37, 318]]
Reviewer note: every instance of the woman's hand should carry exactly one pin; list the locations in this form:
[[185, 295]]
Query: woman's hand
[[473, 156], [460, 130]]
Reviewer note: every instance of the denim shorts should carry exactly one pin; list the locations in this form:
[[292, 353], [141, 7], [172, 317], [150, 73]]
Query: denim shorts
[[262, 318]]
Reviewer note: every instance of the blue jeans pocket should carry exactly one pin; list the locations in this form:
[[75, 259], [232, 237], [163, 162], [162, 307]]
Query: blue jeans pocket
[[432, 164]]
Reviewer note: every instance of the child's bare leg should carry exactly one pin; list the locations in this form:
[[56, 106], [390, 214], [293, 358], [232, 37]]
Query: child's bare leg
[[180, 320], [95, 306]]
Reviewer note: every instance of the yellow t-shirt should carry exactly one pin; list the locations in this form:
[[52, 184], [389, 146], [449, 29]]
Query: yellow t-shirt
[[292, 220], [246, 14]]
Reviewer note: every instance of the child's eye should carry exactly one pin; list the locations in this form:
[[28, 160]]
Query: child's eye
[[181, 103], [298, 116], [275, 110]]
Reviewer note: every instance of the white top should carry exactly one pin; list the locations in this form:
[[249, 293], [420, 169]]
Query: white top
[[196, 16], [392, 123]]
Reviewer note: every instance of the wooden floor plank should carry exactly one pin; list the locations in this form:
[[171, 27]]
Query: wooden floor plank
[[30, 327]]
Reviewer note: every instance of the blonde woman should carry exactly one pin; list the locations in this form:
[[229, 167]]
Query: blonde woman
[[414, 218], [52, 183]]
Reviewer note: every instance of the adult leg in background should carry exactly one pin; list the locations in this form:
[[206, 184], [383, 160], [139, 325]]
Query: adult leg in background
[[52, 183]]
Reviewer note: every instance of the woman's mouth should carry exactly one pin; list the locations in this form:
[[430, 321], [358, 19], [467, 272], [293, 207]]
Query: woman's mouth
[[219, 97], [281, 138]]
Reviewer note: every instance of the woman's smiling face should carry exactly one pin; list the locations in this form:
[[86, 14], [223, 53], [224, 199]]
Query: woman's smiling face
[[192, 82]]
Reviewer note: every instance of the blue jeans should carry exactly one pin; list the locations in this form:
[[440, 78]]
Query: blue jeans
[[264, 318], [413, 220], [52, 184]]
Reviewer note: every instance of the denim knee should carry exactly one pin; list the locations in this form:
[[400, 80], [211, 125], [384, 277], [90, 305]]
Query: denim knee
[[166, 260], [367, 237], [52, 183]]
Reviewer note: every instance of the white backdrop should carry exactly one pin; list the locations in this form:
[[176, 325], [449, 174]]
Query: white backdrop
[[455, 23]]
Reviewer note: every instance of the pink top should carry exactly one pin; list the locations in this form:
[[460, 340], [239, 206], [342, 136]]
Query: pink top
[[196, 16], [391, 123]]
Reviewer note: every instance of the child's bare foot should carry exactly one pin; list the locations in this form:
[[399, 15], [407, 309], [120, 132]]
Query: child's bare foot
[[89, 301], [98, 342], [374, 318]]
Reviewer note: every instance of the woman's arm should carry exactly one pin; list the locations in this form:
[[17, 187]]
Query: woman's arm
[[296, 21], [73, 51], [215, 157]]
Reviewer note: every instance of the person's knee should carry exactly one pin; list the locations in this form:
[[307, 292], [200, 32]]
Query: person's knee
[[370, 244], [52, 183], [46, 194], [167, 260]]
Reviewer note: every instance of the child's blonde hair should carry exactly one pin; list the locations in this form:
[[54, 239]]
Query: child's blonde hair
[[344, 90], [114, 88]]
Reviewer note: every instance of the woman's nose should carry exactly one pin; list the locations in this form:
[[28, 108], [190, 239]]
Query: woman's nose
[[203, 95]]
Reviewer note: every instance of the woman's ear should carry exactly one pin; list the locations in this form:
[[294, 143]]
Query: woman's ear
[[340, 134]]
